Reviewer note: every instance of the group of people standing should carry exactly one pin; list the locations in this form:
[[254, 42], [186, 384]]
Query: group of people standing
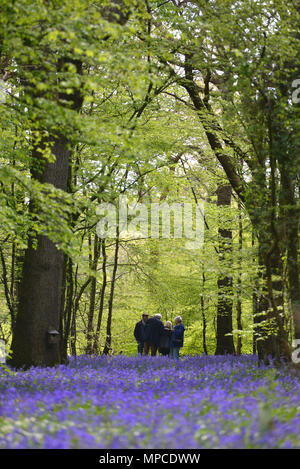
[[153, 335]]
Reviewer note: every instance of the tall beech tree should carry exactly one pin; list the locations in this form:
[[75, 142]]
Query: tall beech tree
[[51, 76], [41, 285]]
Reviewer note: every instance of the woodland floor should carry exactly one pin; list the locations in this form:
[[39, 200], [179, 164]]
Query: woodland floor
[[144, 402]]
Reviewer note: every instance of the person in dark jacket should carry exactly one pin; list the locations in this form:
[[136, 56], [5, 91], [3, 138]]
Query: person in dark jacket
[[139, 331], [164, 343], [176, 341], [153, 330]]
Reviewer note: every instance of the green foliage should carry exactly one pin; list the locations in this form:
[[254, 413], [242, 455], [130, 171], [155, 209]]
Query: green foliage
[[139, 134]]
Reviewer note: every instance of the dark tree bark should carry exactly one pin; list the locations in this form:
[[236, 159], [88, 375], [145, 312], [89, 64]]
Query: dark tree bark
[[73, 331], [73, 336], [90, 327], [42, 278], [224, 311], [63, 349], [107, 346], [270, 328], [102, 296], [203, 316], [67, 315], [239, 285], [254, 300]]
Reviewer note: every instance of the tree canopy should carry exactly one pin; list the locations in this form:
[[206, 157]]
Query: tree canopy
[[161, 102]]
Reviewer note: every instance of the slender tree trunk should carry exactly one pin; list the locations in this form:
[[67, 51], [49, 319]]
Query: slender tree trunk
[[73, 331], [73, 335], [102, 296], [90, 328], [12, 282], [68, 310], [107, 346], [224, 312], [239, 285], [254, 299], [63, 351], [203, 316]]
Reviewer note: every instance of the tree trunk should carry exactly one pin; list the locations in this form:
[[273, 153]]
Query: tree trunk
[[254, 300], [290, 221], [271, 334], [73, 335], [102, 296], [224, 311], [67, 318], [239, 285], [42, 277], [90, 328], [63, 350], [203, 316], [107, 347]]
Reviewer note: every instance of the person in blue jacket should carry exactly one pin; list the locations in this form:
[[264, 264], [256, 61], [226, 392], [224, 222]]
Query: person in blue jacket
[[177, 338]]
